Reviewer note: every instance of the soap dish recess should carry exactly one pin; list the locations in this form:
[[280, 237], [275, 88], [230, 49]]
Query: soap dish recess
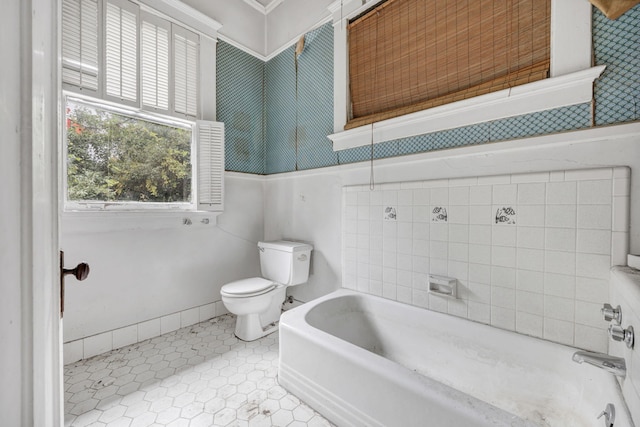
[[633, 261], [443, 286]]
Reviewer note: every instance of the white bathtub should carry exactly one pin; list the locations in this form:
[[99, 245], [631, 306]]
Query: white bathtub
[[363, 360]]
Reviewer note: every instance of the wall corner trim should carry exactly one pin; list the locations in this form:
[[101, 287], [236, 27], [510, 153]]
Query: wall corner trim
[[554, 92]]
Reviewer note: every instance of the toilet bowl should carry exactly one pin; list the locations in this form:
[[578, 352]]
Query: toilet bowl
[[257, 301]]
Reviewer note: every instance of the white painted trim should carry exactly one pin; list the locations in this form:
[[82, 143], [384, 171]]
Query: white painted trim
[[602, 133], [570, 52], [570, 89], [264, 9], [242, 47], [187, 15]]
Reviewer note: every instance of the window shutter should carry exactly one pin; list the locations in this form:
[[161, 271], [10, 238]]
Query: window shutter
[[185, 71], [80, 43], [155, 34], [210, 142], [121, 50]]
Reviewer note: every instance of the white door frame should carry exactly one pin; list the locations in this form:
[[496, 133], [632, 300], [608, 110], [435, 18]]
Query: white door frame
[[41, 212]]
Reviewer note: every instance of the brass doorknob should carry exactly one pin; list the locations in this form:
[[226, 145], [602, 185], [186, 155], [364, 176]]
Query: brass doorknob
[[80, 272]]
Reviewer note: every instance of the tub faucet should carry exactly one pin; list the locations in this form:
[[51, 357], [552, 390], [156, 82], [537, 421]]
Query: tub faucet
[[615, 365]]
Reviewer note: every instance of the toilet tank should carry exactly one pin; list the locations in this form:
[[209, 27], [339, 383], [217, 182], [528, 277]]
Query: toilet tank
[[285, 262]]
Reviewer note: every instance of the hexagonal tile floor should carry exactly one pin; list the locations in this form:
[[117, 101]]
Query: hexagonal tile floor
[[201, 375]]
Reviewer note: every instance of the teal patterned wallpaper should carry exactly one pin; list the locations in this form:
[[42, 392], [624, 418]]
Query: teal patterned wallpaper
[[294, 127]]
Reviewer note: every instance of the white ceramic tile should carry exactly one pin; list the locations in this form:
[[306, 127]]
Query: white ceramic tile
[[439, 231], [420, 264], [479, 254], [350, 198], [530, 259], [351, 212], [439, 196], [457, 307], [560, 239], [458, 233], [530, 215], [435, 302], [73, 351], [479, 312], [390, 275], [350, 240], [421, 247], [556, 176], [404, 278], [363, 198], [435, 183], [503, 276], [458, 270], [376, 198], [503, 318], [376, 227], [530, 281], [594, 339], [438, 266], [594, 266], [404, 229], [480, 273], [559, 331], [363, 241], [375, 272], [463, 182], [562, 193], [503, 256], [560, 285], [389, 259], [148, 329], [420, 281], [125, 336], [503, 236], [592, 290], [438, 249], [403, 294], [588, 313], [421, 214], [405, 246], [530, 237], [362, 227], [480, 234], [480, 195], [410, 185], [595, 216], [420, 230], [529, 302], [619, 248], [376, 243], [362, 285], [505, 194], [529, 324], [621, 187], [375, 288], [390, 197], [421, 197], [98, 344], [480, 214], [458, 251], [503, 297], [405, 197], [620, 214], [362, 272], [389, 229], [530, 177], [588, 174], [531, 194], [560, 262], [363, 212], [559, 308], [593, 241], [561, 216], [389, 291], [494, 179], [169, 323], [458, 214], [458, 195], [479, 292], [595, 192]]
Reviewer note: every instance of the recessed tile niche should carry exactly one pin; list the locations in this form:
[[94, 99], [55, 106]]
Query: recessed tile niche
[[531, 252]]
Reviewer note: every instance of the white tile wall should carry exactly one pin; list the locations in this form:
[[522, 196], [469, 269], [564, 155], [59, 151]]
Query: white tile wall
[[118, 338], [531, 252]]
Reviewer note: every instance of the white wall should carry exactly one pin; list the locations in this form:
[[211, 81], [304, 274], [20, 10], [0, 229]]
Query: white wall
[[145, 270], [11, 355], [307, 205], [240, 22]]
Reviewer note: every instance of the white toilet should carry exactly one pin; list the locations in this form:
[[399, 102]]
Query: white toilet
[[257, 302]]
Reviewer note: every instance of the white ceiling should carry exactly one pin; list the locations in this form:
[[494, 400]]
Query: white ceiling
[[264, 6]]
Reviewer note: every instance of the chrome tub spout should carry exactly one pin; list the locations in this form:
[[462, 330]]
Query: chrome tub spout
[[616, 365]]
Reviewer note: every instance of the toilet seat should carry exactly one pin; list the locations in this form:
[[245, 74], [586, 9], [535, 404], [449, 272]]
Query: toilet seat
[[245, 288]]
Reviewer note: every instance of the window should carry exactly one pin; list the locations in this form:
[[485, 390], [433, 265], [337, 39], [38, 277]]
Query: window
[[132, 130], [409, 55]]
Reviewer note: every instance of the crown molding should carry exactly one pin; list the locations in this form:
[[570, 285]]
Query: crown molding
[[263, 9], [195, 19]]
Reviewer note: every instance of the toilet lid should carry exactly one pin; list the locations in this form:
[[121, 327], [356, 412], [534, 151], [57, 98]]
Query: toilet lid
[[248, 287]]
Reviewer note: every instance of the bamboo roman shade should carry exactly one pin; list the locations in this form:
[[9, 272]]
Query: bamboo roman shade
[[410, 55]]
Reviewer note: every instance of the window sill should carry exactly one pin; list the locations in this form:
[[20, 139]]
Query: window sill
[[554, 92], [82, 222]]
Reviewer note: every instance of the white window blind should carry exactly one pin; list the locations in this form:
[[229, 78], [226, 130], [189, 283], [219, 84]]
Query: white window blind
[[80, 29], [210, 142], [185, 71], [155, 44], [121, 50]]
